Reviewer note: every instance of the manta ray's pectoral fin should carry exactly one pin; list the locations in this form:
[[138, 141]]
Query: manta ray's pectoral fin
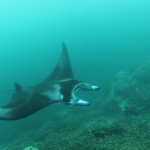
[[63, 69], [18, 87], [19, 95]]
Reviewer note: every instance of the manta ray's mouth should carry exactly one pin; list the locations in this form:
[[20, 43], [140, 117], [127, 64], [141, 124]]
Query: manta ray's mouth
[[75, 100]]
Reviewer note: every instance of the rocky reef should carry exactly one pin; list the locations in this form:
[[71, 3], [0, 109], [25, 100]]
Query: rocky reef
[[131, 91]]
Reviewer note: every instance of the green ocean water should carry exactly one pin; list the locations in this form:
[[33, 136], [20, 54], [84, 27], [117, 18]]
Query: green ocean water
[[103, 37]]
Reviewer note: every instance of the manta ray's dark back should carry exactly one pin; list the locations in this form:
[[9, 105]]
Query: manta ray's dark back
[[63, 69]]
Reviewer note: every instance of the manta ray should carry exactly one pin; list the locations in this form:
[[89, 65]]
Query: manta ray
[[59, 87]]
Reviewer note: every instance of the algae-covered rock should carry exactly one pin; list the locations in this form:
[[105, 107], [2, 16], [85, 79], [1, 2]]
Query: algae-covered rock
[[31, 148], [124, 85], [131, 90], [142, 74]]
